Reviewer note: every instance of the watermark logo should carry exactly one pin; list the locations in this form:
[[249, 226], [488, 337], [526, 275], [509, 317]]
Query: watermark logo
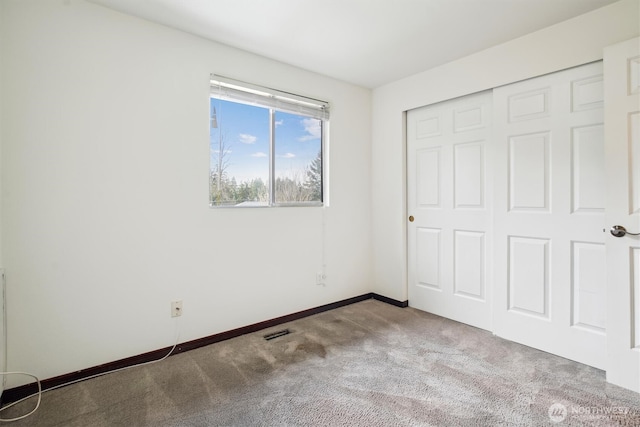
[[557, 412]]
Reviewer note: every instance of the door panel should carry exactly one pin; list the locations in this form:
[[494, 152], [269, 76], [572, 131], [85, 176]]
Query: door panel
[[448, 194], [428, 255], [468, 180], [634, 150], [549, 214], [589, 284], [588, 175], [529, 172], [469, 264], [622, 133], [428, 177], [528, 290]]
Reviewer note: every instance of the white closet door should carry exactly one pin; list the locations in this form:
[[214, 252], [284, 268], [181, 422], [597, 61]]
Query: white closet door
[[622, 132], [448, 183], [550, 254]]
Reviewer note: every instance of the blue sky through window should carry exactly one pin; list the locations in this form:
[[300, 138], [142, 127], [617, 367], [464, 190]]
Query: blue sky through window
[[243, 133], [297, 144]]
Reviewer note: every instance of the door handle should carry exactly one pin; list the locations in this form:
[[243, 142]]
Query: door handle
[[620, 231]]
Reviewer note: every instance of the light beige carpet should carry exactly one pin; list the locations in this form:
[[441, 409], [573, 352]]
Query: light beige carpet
[[367, 364]]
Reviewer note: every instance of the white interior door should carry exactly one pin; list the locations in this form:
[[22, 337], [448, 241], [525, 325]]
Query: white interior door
[[449, 201], [549, 214], [622, 133]]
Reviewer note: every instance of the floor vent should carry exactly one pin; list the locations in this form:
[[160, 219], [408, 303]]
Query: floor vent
[[277, 334]]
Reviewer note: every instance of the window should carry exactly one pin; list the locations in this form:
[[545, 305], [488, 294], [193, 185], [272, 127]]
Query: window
[[266, 146]]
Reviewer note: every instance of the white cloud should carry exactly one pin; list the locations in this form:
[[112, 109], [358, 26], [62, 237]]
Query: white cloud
[[288, 156], [313, 129], [279, 122], [247, 139], [259, 154]]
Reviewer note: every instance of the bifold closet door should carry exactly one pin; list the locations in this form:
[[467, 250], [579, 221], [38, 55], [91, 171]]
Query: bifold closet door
[[449, 209], [549, 214]]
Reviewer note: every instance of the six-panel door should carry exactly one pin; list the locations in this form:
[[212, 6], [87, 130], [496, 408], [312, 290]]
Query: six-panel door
[[622, 131], [550, 269], [449, 182]]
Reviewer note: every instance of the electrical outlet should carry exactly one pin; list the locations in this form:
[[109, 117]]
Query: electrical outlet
[[176, 308], [320, 278]]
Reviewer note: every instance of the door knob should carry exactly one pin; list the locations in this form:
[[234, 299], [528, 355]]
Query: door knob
[[411, 218], [620, 231]]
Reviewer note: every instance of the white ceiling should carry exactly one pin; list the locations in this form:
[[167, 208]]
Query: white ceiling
[[366, 42]]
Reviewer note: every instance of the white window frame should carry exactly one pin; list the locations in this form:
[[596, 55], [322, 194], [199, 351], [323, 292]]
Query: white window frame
[[233, 90]]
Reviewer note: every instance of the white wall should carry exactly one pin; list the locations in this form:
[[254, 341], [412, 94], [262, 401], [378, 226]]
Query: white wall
[[105, 201], [2, 318], [573, 42]]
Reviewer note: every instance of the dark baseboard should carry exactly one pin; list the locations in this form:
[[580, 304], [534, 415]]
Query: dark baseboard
[[391, 301], [20, 392]]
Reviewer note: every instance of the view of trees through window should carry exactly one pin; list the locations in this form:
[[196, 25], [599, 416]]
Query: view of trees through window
[[240, 155]]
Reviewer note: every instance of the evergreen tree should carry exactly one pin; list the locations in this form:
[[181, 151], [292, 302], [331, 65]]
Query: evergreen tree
[[313, 181]]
